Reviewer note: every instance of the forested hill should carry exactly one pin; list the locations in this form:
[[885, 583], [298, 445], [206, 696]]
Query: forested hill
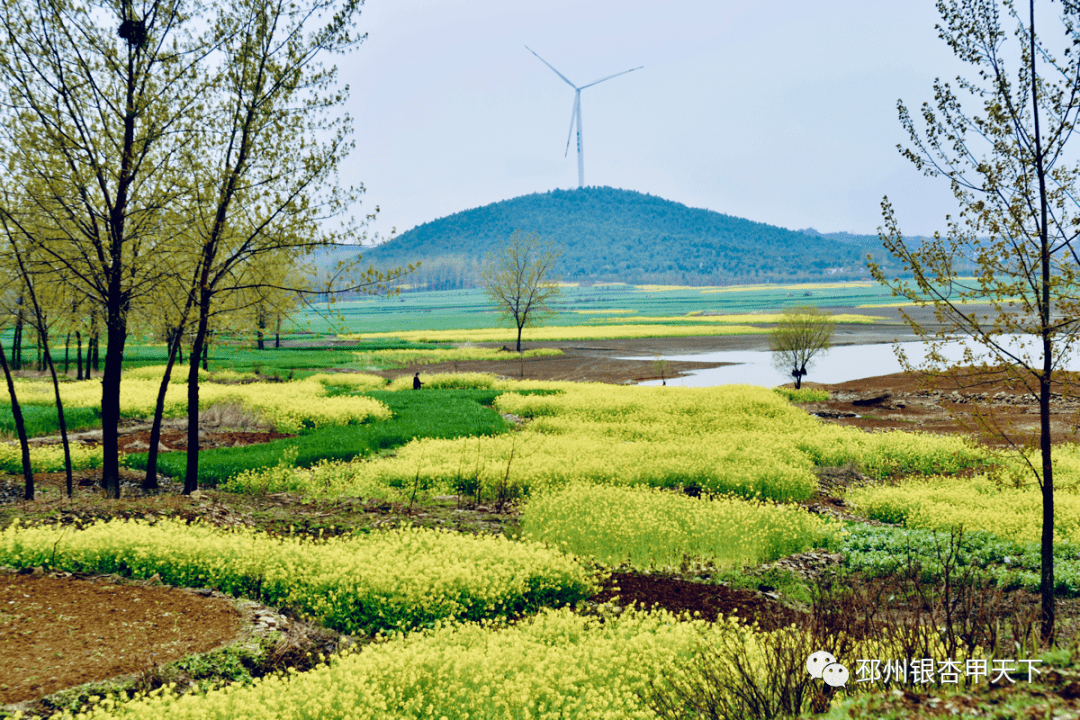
[[621, 235]]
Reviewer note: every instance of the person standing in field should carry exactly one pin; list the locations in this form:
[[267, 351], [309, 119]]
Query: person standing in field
[[416, 384]]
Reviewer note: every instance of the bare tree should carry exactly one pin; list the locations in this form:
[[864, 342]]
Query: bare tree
[[800, 335], [520, 281], [1010, 173]]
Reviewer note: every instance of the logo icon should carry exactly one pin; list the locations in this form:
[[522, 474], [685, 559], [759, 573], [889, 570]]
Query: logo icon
[[822, 665]]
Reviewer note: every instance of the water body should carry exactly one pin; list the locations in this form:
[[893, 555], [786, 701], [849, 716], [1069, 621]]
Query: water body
[[839, 364]]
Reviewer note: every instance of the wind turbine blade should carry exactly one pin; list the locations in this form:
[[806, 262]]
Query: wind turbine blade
[[597, 82], [573, 117], [556, 71]]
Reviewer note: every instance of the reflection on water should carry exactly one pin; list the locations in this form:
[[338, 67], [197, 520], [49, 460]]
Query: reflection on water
[[840, 364]]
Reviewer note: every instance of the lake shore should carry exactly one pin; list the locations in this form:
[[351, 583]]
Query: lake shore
[[633, 361]]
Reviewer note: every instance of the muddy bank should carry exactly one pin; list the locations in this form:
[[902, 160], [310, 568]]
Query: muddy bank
[[607, 360]]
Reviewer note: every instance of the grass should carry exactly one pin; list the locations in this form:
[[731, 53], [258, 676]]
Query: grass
[[43, 420], [431, 413], [281, 362], [241, 356]]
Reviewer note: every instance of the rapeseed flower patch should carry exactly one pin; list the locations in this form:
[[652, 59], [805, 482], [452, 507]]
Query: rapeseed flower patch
[[397, 579], [445, 381], [852, 318], [49, 458], [979, 503], [293, 406], [556, 665], [355, 381], [653, 528], [438, 355], [288, 407], [737, 439]]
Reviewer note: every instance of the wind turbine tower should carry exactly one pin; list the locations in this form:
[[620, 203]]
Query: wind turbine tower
[[575, 113]]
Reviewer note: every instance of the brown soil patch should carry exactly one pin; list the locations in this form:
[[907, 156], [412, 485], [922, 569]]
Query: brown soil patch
[[59, 632], [596, 361], [138, 441], [698, 599], [950, 405]]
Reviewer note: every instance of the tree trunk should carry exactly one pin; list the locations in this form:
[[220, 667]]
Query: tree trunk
[[67, 353], [1046, 579], [116, 329], [519, 337], [16, 343], [78, 356], [20, 429], [206, 353], [150, 481], [95, 348], [260, 329], [191, 474], [59, 413], [92, 346], [277, 332]]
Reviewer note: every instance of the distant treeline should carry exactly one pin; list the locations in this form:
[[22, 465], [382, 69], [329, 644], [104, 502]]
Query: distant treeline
[[620, 235]]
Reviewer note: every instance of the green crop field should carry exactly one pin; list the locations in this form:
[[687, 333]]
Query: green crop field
[[471, 309]]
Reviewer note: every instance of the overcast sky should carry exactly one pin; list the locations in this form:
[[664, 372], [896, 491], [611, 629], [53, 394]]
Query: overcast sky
[[783, 112]]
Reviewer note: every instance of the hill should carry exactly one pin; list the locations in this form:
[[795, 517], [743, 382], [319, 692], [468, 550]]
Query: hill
[[609, 234]]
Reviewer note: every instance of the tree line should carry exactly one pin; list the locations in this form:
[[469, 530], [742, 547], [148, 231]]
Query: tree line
[[167, 165]]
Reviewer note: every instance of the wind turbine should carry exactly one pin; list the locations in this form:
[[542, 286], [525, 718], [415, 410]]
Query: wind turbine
[[575, 113]]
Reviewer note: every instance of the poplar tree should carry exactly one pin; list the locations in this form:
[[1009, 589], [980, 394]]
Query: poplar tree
[[97, 98], [265, 174], [1000, 140]]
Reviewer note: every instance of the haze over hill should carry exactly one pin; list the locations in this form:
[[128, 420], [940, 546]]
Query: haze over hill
[[608, 234]]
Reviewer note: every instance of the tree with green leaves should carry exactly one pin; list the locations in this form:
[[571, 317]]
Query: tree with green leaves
[[159, 144], [265, 174], [97, 98], [520, 280], [801, 334], [1000, 139]]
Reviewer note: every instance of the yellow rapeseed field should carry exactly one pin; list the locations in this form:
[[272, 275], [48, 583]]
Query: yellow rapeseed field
[[730, 439], [49, 458], [659, 528], [393, 579], [975, 503], [556, 665], [299, 404]]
